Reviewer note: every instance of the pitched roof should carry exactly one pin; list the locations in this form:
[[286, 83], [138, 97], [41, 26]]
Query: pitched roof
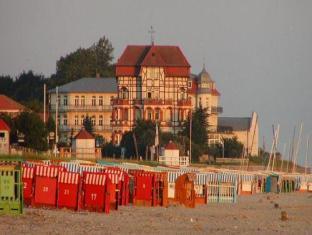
[[84, 134], [171, 146], [6, 103], [4, 126], [95, 85], [151, 55], [234, 123]]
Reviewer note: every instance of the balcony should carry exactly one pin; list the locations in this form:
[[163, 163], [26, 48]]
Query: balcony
[[184, 102], [120, 123], [153, 102], [82, 108], [118, 101], [215, 110], [68, 128]]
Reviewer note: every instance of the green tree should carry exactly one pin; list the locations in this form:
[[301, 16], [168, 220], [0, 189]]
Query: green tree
[[199, 132], [28, 87], [87, 123], [34, 130], [232, 148], [6, 85], [50, 124], [199, 127], [127, 142], [86, 63]]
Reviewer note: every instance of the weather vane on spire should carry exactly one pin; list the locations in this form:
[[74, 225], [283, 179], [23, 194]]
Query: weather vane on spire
[[152, 32]]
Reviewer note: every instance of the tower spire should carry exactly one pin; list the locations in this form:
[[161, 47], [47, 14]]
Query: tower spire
[[152, 32]]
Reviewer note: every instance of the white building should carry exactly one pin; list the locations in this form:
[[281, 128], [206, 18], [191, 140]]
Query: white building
[[83, 146], [171, 156], [4, 138]]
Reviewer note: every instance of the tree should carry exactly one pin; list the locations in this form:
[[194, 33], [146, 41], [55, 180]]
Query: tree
[[127, 142], [232, 148], [87, 123], [144, 132], [199, 132], [6, 85], [28, 87], [86, 62], [50, 124], [199, 127], [34, 130]]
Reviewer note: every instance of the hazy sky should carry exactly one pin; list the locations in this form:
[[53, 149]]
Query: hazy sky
[[258, 52]]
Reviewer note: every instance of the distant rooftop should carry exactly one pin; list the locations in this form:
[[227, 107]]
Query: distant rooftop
[[6, 103], [233, 123], [95, 85]]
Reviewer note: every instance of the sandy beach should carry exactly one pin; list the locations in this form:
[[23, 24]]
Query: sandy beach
[[257, 214]]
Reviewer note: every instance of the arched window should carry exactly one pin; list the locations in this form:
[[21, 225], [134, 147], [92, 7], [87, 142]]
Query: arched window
[[157, 114], [182, 94], [124, 93], [149, 114]]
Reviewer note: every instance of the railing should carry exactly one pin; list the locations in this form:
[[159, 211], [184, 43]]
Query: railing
[[67, 128], [185, 102], [118, 101], [221, 192], [174, 161], [215, 110], [153, 102], [96, 108]]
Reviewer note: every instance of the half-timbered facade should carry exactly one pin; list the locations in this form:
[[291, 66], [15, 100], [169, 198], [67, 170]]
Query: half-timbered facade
[[152, 84]]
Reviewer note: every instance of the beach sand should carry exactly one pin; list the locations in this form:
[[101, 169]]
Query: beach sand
[[256, 214]]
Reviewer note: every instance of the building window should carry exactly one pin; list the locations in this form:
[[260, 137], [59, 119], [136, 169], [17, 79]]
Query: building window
[[149, 95], [65, 120], [93, 101], [58, 120], [124, 94], [58, 100], [100, 120], [182, 94], [101, 100], [137, 114], [93, 121], [83, 101], [125, 114], [76, 120], [65, 100], [189, 84], [157, 114], [149, 114], [207, 102], [76, 100], [82, 119]]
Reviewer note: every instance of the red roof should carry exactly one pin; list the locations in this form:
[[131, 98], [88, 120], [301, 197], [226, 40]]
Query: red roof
[[171, 146], [163, 56], [215, 92], [84, 134], [7, 103], [4, 126]]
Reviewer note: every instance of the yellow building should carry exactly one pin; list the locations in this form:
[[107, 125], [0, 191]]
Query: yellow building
[[205, 94], [81, 98], [246, 129]]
